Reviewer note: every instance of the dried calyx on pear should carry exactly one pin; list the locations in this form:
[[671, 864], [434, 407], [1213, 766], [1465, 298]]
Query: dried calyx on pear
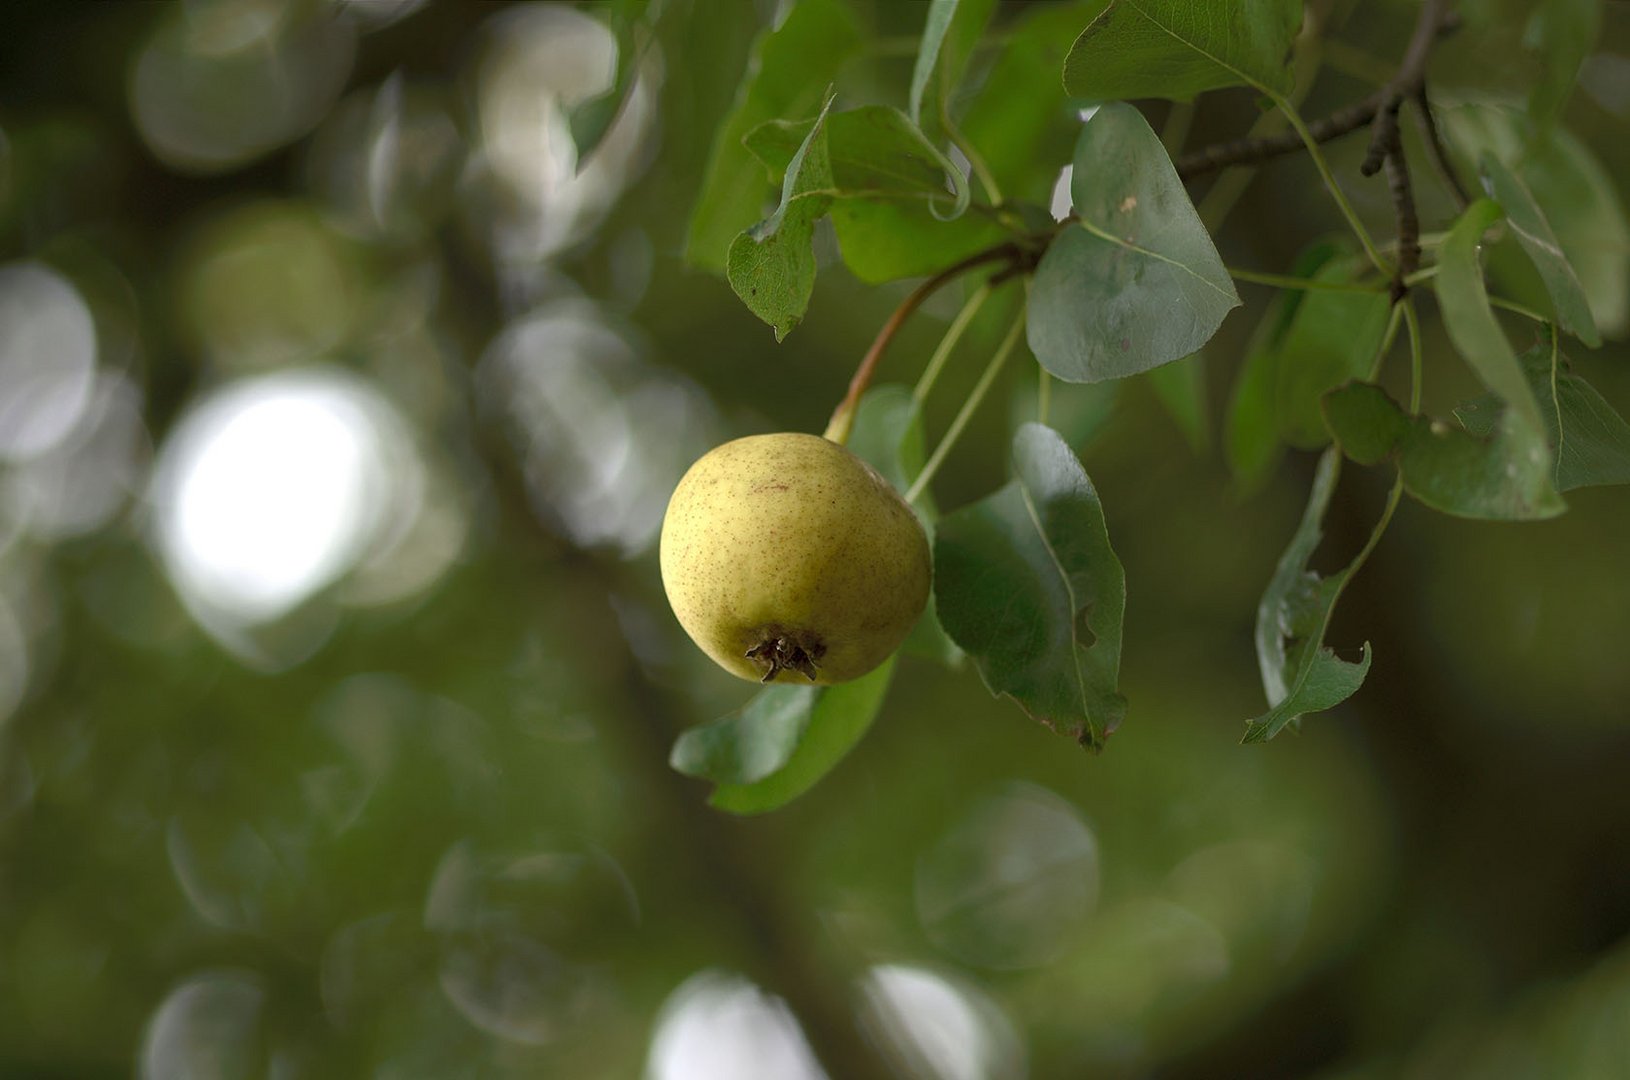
[[788, 559]]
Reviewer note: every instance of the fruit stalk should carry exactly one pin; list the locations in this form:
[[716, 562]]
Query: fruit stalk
[[965, 414], [843, 417]]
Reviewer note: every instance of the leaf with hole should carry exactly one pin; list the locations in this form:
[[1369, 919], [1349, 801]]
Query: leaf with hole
[[1175, 49], [1029, 586], [1135, 281], [1300, 674]]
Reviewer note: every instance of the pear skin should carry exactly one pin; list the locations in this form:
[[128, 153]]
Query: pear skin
[[788, 559]]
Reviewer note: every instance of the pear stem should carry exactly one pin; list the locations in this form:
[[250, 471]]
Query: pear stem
[[843, 417], [948, 344], [954, 432]]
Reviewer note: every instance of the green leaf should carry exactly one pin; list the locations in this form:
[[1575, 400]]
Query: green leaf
[[1021, 121], [1468, 317], [789, 69], [1251, 438], [949, 34], [772, 265], [1300, 674], [888, 436], [749, 744], [888, 181], [1332, 338], [1583, 204], [1368, 427], [1029, 586], [1534, 233], [1181, 388], [631, 22], [1594, 445], [1589, 439], [1504, 477], [1575, 190], [885, 241], [1175, 49], [1135, 282], [875, 152], [1251, 435], [1563, 32], [815, 735]]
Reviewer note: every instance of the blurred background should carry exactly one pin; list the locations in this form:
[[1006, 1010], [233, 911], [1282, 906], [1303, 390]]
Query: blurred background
[[339, 406]]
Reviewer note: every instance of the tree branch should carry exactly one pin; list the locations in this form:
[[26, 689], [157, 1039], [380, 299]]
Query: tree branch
[[1409, 224], [1387, 145], [1408, 83], [1440, 155], [1210, 159], [1410, 80], [1379, 111]]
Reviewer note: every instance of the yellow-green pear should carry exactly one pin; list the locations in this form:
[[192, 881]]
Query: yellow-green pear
[[788, 559]]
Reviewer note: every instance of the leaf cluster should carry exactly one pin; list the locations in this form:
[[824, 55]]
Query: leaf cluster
[[1125, 279]]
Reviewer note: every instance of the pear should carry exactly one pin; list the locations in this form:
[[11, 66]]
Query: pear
[[788, 559]]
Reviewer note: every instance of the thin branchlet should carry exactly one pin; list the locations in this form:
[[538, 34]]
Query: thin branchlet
[[1434, 144], [1379, 111], [1209, 159], [1409, 224], [1386, 149]]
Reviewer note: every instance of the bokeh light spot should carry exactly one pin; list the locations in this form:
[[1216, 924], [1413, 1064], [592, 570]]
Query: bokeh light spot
[[937, 1029], [1009, 885], [509, 927], [47, 359], [221, 82], [79, 484], [544, 59], [206, 1029], [275, 487], [268, 284], [722, 1027], [605, 435]]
